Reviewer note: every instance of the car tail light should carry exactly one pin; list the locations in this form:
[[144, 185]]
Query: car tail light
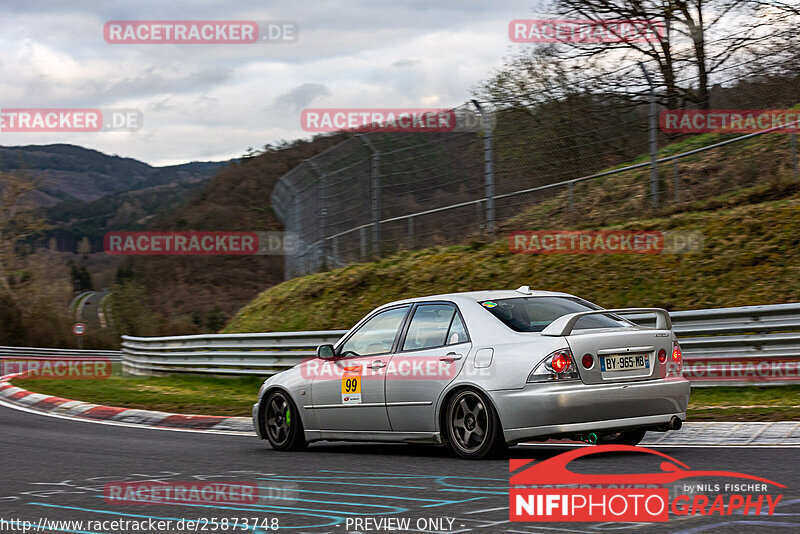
[[558, 365], [676, 365], [677, 355], [662, 356], [561, 362], [588, 361]]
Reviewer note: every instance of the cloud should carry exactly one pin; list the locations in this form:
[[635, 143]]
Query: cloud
[[214, 101], [301, 97]]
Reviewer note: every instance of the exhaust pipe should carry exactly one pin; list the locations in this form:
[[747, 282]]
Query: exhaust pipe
[[675, 423]]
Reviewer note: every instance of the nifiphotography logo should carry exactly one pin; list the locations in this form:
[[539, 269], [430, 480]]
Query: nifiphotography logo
[[549, 491]]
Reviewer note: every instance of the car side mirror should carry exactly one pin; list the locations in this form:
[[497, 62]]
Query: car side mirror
[[326, 352]]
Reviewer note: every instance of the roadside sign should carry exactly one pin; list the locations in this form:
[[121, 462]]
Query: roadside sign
[[79, 329]]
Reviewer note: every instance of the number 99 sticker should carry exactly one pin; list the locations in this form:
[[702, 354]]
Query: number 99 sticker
[[351, 385]]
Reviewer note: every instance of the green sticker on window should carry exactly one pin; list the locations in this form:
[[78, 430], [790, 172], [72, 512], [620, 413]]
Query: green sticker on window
[[488, 304]]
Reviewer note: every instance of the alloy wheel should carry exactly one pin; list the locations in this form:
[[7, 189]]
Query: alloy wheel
[[469, 422]]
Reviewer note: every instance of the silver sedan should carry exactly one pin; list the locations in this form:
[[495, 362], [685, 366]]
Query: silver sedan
[[481, 371]]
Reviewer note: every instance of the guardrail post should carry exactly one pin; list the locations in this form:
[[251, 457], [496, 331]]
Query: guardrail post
[[375, 174], [794, 156], [652, 128], [488, 169]]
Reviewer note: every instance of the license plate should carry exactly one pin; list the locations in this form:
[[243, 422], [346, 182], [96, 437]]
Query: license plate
[[624, 362]]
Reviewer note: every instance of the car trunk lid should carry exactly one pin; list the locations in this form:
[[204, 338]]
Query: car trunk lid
[[627, 353]]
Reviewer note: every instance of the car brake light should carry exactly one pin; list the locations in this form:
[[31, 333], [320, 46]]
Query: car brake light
[[677, 356], [662, 356], [588, 361], [675, 368], [558, 365], [561, 362]]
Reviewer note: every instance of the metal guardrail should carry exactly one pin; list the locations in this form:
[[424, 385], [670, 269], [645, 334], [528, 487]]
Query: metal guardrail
[[54, 362], [20, 353], [739, 346], [726, 346], [233, 354]]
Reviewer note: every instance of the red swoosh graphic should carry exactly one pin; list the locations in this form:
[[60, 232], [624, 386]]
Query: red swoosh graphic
[[554, 470]]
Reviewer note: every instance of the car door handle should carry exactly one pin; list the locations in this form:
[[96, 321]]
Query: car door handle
[[450, 357], [377, 364]]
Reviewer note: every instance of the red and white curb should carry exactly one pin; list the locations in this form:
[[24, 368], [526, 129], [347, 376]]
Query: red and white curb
[[96, 412]]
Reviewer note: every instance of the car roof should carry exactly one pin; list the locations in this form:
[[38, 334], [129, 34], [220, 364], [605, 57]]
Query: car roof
[[478, 296]]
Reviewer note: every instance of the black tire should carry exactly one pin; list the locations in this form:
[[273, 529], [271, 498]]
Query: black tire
[[282, 423], [472, 427], [626, 437]]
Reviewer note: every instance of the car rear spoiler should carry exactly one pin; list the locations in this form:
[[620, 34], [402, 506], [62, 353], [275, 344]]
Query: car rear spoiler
[[563, 325]]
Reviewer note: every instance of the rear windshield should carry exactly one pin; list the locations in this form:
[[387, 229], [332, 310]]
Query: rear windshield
[[533, 314]]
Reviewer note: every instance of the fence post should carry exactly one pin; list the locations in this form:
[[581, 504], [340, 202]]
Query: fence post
[[321, 215], [676, 181], [488, 168], [290, 265], [652, 127], [794, 156], [411, 233], [362, 237], [376, 196], [571, 196]]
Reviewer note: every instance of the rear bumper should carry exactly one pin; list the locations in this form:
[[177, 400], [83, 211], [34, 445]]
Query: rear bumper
[[573, 407]]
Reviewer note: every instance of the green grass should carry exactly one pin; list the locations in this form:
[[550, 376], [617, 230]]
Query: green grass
[[235, 397], [751, 256], [177, 394], [779, 403]]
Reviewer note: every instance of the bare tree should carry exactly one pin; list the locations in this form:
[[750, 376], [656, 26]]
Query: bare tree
[[701, 38]]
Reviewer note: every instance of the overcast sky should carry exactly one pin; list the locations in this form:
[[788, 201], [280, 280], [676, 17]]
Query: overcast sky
[[210, 102]]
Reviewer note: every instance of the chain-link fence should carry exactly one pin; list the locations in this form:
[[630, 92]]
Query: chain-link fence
[[516, 168]]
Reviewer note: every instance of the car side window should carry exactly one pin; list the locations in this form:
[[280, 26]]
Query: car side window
[[376, 336], [457, 333], [430, 327]]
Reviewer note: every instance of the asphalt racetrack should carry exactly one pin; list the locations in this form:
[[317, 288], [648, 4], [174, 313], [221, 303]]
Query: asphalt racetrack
[[56, 470]]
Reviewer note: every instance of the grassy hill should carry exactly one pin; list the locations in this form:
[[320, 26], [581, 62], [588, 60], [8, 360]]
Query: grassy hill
[[751, 255]]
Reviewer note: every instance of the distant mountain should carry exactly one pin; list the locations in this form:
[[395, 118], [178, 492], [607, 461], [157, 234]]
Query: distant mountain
[[72, 173], [128, 211]]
